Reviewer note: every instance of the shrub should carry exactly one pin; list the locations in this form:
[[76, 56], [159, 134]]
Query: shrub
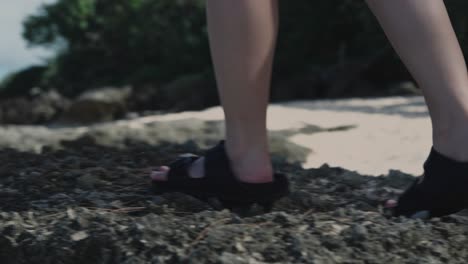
[[323, 46]]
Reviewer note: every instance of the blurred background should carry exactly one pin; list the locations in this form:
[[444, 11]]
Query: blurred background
[[155, 54]]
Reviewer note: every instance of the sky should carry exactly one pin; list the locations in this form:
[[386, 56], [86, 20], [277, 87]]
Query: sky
[[14, 53]]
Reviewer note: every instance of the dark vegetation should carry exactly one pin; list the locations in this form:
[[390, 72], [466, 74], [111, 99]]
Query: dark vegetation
[[332, 48]]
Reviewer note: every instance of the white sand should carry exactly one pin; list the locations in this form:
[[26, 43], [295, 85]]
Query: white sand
[[389, 133]]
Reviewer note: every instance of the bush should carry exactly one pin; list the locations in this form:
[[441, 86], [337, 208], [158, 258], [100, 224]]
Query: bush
[[115, 42], [325, 48], [21, 82]]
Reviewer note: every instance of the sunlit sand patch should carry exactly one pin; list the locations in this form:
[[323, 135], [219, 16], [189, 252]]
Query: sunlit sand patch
[[376, 135]]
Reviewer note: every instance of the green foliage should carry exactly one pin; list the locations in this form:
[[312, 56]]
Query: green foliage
[[458, 10], [320, 33], [118, 42], [19, 83]]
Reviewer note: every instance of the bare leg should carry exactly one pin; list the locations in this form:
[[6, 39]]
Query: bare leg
[[242, 39], [422, 34]]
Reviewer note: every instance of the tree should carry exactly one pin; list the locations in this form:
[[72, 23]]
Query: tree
[[120, 42], [104, 42]]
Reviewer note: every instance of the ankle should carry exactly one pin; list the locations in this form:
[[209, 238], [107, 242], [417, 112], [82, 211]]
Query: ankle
[[453, 143], [251, 164], [254, 173], [246, 149], [453, 152]]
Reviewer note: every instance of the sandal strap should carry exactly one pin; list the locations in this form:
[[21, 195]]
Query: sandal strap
[[221, 179], [217, 164], [178, 172]]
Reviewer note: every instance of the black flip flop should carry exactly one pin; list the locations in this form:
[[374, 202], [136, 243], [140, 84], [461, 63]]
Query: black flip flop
[[442, 190], [219, 182]]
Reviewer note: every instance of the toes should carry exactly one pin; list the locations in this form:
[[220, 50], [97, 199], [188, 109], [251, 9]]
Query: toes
[[164, 168], [391, 204], [160, 174]]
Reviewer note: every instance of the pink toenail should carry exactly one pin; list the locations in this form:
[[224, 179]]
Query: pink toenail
[[391, 203]]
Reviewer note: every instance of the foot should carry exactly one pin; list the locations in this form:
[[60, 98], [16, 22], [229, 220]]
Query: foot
[[441, 191], [252, 167]]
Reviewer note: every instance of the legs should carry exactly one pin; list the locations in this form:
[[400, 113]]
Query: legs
[[421, 33], [242, 40]]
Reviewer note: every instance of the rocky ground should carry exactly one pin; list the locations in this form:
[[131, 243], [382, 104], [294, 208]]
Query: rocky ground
[[82, 195]]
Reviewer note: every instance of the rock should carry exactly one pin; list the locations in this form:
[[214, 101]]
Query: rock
[[398, 179], [358, 232], [108, 215], [40, 204], [285, 219], [80, 142], [79, 236], [145, 98], [185, 87], [34, 174], [98, 105], [352, 179], [227, 257], [7, 192], [41, 108], [71, 213], [239, 247], [88, 181], [60, 196], [49, 105]]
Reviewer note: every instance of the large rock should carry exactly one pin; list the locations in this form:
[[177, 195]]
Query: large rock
[[38, 107], [146, 98], [100, 105], [190, 92]]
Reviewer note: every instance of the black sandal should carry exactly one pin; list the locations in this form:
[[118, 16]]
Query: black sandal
[[219, 182], [442, 190]]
